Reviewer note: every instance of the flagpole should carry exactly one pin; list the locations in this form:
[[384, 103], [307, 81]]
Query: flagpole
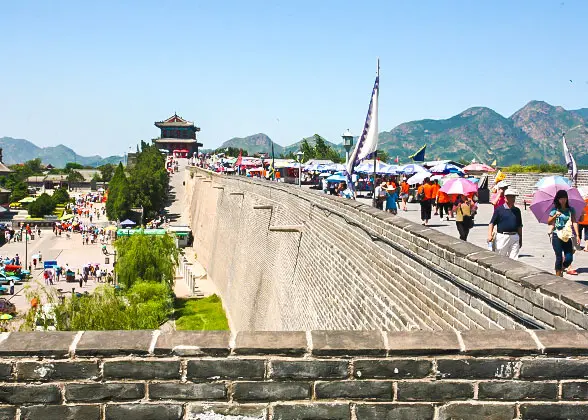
[[374, 178]]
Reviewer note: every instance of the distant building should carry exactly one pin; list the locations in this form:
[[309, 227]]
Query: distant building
[[178, 136], [4, 170]]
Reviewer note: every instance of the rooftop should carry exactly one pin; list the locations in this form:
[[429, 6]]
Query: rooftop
[[175, 121]]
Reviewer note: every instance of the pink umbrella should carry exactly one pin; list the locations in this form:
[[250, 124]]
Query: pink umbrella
[[459, 186], [479, 167], [543, 201]]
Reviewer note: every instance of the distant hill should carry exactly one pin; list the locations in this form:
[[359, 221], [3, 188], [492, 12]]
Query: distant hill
[[531, 135], [20, 150]]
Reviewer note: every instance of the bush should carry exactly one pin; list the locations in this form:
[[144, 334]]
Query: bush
[[43, 205], [544, 167], [60, 196]]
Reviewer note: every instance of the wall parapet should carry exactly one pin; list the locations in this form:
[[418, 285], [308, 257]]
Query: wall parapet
[[294, 375], [412, 277]]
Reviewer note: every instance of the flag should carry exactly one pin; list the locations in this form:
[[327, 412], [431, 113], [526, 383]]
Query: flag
[[419, 156], [499, 177], [493, 163], [368, 142], [396, 160], [570, 162]]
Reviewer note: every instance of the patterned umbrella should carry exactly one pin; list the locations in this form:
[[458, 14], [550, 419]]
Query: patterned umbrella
[[459, 186], [553, 180], [543, 201]]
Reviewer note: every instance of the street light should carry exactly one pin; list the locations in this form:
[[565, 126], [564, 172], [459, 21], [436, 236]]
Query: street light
[[347, 144], [299, 159], [106, 261]]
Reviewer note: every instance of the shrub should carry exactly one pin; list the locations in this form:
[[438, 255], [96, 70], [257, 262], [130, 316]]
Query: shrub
[[43, 205]]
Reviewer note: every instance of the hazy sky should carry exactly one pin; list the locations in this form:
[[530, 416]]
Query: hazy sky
[[96, 75]]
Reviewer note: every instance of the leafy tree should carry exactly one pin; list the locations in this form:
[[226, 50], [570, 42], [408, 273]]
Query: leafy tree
[[69, 166], [33, 166], [60, 196], [106, 172], [119, 195], [321, 149], [74, 177], [231, 151], [149, 181], [308, 150], [146, 257], [42, 206], [19, 191], [383, 156]]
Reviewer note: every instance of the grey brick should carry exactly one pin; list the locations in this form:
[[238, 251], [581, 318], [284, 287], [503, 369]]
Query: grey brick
[[29, 394], [114, 343], [309, 369], [144, 412], [499, 342], [290, 343], [312, 412], [392, 369], [476, 368], [142, 369], [88, 392], [226, 369], [348, 343], [9, 413], [193, 343], [395, 411], [60, 412], [38, 343], [270, 391], [56, 370], [517, 390], [564, 342], [486, 411], [5, 371], [189, 391], [554, 368], [367, 390], [574, 390], [257, 411], [434, 391], [553, 411]]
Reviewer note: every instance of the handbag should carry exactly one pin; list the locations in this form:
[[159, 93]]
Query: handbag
[[468, 221], [565, 233]]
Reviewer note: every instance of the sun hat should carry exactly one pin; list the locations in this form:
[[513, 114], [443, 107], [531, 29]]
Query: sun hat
[[503, 184], [511, 191]]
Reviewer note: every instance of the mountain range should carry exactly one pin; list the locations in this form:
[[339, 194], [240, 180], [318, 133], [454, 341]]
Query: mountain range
[[529, 136], [20, 150]]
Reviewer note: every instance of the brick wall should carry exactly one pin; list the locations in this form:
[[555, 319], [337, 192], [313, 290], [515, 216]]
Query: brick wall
[[286, 258], [294, 375]]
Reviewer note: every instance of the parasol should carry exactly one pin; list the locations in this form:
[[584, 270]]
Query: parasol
[[543, 201], [459, 186]]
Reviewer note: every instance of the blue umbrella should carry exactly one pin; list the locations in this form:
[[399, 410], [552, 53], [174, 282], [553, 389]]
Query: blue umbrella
[[337, 178], [553, 180], [446, 168], [411, 168]]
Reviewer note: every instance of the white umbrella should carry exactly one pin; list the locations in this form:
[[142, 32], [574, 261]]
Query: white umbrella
[[418, 178]]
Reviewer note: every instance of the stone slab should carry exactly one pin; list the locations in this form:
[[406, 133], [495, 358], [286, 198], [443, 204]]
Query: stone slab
[[39, 343], [193, 343], [114, 343]]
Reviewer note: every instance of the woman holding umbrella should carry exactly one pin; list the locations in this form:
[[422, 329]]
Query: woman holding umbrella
[[563, 218]]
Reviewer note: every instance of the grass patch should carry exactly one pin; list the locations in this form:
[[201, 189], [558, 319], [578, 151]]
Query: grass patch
[[200, 314]]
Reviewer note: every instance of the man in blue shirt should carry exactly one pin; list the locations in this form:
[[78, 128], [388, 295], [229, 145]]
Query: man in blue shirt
[[509, 226]]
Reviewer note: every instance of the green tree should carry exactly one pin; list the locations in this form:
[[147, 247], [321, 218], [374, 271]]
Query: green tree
[[383, 156], [308, 150], [149, 181], [321, 149], [69, 166], [146, 257], [19, 191], [33, 166], [60, 196], [42, 206], [106, 172], [74, 178], [119, 195]]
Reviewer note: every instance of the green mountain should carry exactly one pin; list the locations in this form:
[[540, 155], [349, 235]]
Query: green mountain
[[311, 140], [531, 135], [254, 144], [20, 150]]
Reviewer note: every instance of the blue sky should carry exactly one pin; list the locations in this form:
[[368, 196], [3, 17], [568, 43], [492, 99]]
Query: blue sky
[[96, 75]]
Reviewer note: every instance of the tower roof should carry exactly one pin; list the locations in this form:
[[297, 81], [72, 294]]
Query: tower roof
[[174, 121]]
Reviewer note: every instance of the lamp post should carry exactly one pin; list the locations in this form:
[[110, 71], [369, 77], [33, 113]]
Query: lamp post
[[299, 155], [107, 254], [347, 144]]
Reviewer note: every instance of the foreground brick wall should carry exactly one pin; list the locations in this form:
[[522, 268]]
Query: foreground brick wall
[[294, 375], [285, 258]]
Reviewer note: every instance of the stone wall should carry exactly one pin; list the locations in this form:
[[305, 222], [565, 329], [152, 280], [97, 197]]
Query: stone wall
[[286, 258], [138, 375]]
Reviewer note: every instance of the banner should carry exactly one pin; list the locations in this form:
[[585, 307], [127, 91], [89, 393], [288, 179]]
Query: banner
[[570, 162], [419, 156]]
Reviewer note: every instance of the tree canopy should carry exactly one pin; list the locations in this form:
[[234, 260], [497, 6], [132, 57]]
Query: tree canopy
[[60, 196], [320, 150], [42, 206]]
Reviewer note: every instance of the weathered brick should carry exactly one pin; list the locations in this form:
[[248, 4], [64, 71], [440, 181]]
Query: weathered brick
[[348, 343], [574, 390], [497, 342], [29, 394], [142, 369], [60, 412], [395, 411], [9, 413], [564, 342], [309, 369], [193, 343], [391, 368], [226, 369], [114, 343], [225, 409], [189, 391], [38, 343], [554, 368], [144, 411], [88, 392], [517, 390], [368, 390], [434, 391], [56, 370], [270, 391], [553, 411], [485, 411], [5, 371], [312, 412], [290, 343], [476, 368]]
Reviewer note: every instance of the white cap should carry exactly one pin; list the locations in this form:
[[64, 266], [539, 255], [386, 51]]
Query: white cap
[[511, 191], [502, 184]]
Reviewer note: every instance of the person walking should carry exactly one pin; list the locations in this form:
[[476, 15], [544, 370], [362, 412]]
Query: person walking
[[508, 221], [444, 204], [463, 217], [404, 191], [391, 199], [563, 218], [425, 193]]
